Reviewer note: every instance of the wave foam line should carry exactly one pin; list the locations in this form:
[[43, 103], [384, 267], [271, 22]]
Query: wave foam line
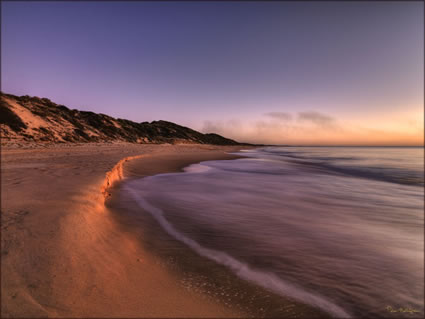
[[267, 280]]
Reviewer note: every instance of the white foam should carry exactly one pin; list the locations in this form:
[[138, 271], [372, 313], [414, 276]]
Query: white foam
[[265, 279], [196, 168]]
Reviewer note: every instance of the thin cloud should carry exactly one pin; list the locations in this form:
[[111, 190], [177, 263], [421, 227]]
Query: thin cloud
[[212, 127], [221, 127], [317, 118], [309, 127], [281, 116]]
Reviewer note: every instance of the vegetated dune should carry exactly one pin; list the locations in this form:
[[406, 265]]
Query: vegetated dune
[[28, 119]]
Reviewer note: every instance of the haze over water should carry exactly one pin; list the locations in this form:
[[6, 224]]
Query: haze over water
[[340, 228]]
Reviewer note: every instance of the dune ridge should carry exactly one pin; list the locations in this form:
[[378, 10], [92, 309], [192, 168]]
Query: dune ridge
[[28, 120]]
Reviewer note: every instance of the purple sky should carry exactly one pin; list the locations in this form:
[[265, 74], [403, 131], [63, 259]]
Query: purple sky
[[281, 72]]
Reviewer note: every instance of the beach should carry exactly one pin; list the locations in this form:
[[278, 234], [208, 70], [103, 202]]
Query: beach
[[223, 159], [61, 253], [144, 231], [65, 253]]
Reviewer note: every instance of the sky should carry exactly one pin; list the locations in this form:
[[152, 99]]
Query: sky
[[297, 73]]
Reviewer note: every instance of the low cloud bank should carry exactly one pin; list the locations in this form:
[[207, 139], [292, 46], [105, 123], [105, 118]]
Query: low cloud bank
[[308, 128]]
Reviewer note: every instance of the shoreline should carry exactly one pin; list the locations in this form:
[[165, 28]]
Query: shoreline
[[62, 253], [72, 256], [191, 268]]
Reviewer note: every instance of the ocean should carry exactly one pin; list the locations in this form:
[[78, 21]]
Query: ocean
[[338, 228]]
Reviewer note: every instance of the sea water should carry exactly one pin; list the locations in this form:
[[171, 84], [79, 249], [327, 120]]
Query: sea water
[[339, 228]]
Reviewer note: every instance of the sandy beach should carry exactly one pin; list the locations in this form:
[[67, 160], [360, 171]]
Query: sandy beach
[[67, 253], [62, 256], [223, 159]]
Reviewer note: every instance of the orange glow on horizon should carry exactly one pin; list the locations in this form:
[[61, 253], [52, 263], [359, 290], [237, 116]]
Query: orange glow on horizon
[[391, 130]]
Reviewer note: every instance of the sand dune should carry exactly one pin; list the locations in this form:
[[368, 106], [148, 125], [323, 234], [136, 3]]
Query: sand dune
[[25, 120]]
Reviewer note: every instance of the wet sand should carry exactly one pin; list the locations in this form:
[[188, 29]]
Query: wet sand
[[67, 251]]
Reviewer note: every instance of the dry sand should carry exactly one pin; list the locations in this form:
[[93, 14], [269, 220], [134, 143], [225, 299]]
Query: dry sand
[[63, 255]]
